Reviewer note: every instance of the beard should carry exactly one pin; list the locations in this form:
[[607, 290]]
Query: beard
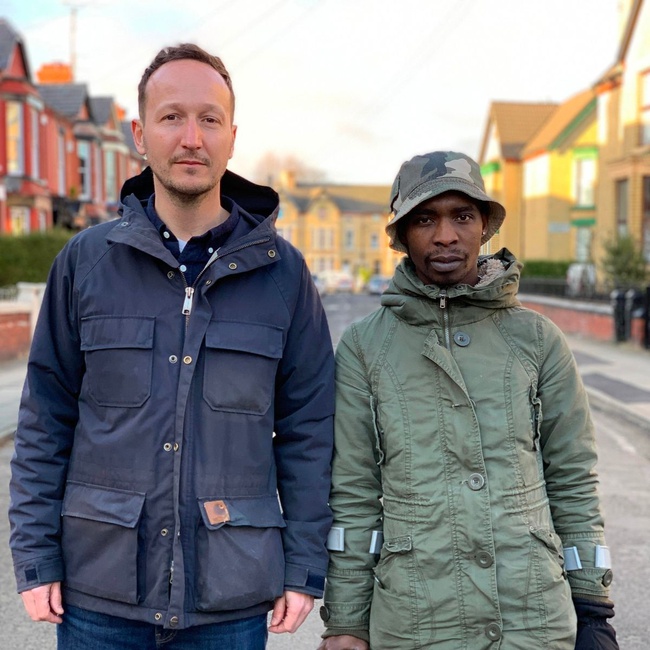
[[186, 188]]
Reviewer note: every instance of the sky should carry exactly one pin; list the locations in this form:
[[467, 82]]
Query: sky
[[351, 88]]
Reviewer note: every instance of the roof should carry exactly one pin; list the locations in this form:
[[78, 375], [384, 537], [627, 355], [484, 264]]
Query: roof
[[348, 198], [516, 124], [66, 99], [9, 40], [567, 116], [101, 109]]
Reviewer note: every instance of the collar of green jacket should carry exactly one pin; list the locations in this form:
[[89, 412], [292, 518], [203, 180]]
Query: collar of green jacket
[[414, 302]]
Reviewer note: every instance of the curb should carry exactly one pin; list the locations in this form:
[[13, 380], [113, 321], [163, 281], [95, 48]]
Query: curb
[[602, 402]]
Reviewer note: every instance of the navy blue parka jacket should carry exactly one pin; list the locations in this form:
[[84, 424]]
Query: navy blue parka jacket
[[173, 451]]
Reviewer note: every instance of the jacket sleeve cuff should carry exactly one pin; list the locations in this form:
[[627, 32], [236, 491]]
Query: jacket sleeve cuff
[[35, 574], [304, 580], [338, 631]]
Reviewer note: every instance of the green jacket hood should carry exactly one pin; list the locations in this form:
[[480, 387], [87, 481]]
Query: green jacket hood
[[410, 299]]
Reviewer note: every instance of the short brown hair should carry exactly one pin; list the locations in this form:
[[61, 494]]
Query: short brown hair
[[178, 53]]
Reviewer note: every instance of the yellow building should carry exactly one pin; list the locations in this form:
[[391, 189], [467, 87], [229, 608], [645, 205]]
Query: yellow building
[[338, 227], [559, 179], [623, 192], [509, 127]]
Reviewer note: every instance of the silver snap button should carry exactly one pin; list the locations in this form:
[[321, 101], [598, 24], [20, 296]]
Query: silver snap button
[[232, 266], [475, 481], [175, 446], [271, 253], [171, 275], [187, 360], [208, 283], [167, 446], [462, 339], [164, 532], [124, 224], [173, 358], [173, 621], [157, 616]]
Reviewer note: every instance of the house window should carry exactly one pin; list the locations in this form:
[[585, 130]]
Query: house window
[[583, 244], [349, 240], [19, 220], [646, 218], [83, 151], [15, 139], [585, 181], [622, 207], [374, 241], [36, 146], [99, 194], [111, 177], [644, 109], [61, 163]]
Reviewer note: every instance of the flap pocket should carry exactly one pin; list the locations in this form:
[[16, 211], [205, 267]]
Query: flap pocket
[[108, 332], [257, 512], [99, 503], [254, 338], [399, 544]]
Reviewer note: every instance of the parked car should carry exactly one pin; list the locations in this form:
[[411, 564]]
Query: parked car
[[321, 286], [377, 285], [337, 281]]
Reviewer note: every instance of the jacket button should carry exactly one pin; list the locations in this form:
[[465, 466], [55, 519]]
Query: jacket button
[[475, 481], [157, 616], [187, 360], [167, 446], [484, 559], [173, 358], [175, 446], [493, 632], [164, 532], [462, 339], [232, 266], [324, 613], [607, 578], [171, 275], [271, 253], [173, 621], [208, 283]]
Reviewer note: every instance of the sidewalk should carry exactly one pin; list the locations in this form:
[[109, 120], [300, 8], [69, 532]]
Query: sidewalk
[[616, 376]]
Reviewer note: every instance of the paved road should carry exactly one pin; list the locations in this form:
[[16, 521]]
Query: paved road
[[625, 479]]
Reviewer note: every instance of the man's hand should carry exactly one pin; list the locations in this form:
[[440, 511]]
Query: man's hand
[[290, 611], [44, 603], [343, 642]]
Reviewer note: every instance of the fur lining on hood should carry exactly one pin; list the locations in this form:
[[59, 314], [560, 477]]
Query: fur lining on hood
[[489, 268]]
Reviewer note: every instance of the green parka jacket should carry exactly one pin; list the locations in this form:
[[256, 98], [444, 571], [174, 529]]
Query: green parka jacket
[[463, 434]]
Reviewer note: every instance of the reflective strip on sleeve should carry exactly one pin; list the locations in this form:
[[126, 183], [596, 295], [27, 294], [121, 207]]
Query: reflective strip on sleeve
[[336, 539], [376, 542], [571, 558], [603, 559]]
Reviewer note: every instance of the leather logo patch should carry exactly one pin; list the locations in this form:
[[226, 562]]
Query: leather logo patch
[[217, 512]]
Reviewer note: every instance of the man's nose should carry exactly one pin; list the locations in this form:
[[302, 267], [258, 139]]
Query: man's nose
[[445, 232], [191, 135]]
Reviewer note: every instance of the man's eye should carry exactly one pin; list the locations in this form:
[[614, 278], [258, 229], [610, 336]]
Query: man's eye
[[170, 118]]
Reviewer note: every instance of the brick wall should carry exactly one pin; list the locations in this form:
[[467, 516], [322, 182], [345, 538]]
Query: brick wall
[[15, 334]]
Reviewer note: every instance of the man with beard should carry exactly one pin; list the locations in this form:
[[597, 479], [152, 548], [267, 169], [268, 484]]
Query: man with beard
[[466, 512], [171, 473]]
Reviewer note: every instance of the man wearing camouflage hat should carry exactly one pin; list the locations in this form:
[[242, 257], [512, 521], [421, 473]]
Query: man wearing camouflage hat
[[466, 512]]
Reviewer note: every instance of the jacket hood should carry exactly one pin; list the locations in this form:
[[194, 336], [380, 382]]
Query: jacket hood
[[255, 199], [411, 299]]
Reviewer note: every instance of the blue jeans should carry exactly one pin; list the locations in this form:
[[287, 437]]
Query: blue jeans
[[85, 630]]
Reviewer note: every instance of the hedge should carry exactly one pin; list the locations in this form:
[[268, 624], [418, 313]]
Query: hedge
[[28, 258], [545, 268]]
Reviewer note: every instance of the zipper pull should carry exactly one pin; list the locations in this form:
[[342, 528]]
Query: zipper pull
[[443, 299], [171, 573], [187, 303]]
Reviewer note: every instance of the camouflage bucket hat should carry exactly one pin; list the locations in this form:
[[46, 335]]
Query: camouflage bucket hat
[[431, 174]]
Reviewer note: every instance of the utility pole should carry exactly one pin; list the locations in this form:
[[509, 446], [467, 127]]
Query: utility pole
[[74, 5]]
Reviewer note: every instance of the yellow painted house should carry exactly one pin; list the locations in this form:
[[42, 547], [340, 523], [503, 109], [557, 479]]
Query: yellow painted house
[[559, 181], [623, 192], [338, 227], [509, 127]]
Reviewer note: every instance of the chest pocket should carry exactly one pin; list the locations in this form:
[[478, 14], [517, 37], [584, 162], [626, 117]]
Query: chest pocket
[[119, 357], [241, 361]]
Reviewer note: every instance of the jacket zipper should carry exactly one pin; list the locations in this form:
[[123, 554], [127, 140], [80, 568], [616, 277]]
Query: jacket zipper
[[445, 318], [189, 291]]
